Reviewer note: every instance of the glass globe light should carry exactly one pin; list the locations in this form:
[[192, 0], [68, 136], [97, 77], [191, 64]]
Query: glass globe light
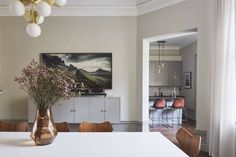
[[17, 8], [40, 20], [44, 9], [60, 2], [33, 30]]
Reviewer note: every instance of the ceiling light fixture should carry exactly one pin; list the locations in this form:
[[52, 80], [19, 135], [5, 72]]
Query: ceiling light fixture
[[161, 64], [34, 12]]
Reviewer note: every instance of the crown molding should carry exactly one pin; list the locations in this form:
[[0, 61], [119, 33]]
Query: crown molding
[[86, 11], [155, 5], [96, 11], [106, 9], [4, 11]]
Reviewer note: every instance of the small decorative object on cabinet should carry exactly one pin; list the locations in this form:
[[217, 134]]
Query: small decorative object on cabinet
[[45, 86]]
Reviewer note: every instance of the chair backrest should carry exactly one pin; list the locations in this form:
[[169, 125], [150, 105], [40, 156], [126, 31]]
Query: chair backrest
[[95, 127], [63, 127], [188, 143], [20, 127], [178, 103], [159, 103]]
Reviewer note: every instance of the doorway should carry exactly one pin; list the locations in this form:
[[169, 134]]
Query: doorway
[[180, 53]]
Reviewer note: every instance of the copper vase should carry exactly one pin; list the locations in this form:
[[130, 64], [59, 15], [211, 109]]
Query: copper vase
[[44, 131]]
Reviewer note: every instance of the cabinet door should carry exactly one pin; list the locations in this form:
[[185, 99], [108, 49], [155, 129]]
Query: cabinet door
[[152, 73], [162, 77], [175, 73], [81, 109], [96, 109], [112, 110], [66, 110]]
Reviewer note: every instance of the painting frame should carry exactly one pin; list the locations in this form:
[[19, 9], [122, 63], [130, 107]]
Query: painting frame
[[107, 87], [188, 80]]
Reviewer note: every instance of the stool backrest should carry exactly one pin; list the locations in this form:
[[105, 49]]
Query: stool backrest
[[159, 103], [178, 103]]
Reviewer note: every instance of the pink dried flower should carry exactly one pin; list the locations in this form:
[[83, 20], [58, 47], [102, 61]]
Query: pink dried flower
[[46, 85]]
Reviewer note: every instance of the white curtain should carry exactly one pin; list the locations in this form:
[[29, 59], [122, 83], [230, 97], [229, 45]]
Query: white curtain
[[223, 83]]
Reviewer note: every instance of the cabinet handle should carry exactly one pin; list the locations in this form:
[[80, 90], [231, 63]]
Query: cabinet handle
[[105, 110], [102, 110]]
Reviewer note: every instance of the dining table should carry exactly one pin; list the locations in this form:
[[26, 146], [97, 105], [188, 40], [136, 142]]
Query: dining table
[[77, 144]]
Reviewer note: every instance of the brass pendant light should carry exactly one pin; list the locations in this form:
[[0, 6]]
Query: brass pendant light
[[161, 64], [34, 12]]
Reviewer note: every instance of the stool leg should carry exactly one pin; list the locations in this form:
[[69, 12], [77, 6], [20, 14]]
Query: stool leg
[[152, 119], [173, 112], [185, 114], [161, 116], [178, 118], [165, 123]]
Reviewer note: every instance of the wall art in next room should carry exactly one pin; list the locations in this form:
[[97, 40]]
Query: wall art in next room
[[93, 69]]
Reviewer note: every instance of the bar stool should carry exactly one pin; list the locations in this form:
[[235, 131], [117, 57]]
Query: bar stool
[[159, 104], [178, 104]]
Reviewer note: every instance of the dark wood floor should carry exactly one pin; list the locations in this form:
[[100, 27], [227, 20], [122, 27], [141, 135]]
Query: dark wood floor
[[171, 132]]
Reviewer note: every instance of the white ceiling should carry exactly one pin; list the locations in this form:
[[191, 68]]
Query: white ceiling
[[178, 42], [102, 7]]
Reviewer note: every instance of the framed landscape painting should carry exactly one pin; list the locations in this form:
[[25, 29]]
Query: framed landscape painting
[[93, 69], [187, 80]]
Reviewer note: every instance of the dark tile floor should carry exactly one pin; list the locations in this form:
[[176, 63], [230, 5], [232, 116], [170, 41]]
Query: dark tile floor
[[171, 132]]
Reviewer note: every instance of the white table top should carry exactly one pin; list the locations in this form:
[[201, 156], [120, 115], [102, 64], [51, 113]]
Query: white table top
[[75, 144]]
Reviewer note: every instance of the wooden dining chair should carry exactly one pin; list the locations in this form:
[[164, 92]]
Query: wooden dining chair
[[189, 143], [63, 127], [95, 127], [20, 127]]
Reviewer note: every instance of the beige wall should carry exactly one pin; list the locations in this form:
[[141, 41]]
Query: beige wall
[[106, 34], [188, 54], [68, 34], [183, 16]]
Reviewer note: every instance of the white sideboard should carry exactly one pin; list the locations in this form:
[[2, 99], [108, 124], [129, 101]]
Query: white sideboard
[[77, 109]]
